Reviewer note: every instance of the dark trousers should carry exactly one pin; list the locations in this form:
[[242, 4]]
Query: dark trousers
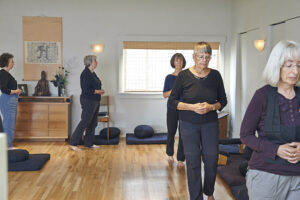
[[172, 124], [88, 122], [200, 141]]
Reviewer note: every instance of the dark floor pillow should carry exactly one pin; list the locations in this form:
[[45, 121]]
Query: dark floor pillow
[[157, 138], [21, 160], [143, 131], [33, 163], [17, 155], [230, 141], [113, 133], [230, 148]]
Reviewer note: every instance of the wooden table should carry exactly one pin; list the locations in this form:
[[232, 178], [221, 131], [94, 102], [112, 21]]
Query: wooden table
[[43, 118]]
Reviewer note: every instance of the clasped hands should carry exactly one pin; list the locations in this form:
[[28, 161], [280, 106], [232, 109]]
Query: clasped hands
[[101, 92], [202, 108], [290, 152]]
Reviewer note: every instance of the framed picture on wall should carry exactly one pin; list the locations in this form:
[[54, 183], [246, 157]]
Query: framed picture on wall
[[24, 89]]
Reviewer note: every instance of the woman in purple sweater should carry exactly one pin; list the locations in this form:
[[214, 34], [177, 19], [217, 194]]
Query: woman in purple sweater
[[274, 112]]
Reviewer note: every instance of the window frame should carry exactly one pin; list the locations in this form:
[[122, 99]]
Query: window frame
[[121, 68]]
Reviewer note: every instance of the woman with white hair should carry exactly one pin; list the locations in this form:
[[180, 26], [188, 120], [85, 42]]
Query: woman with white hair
[[90, 103], [274, 112]]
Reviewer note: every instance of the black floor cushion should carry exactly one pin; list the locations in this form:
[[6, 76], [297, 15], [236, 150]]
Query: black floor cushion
[[21, 160], [113, 133], [103, 141], [157, 138], [100, 141]]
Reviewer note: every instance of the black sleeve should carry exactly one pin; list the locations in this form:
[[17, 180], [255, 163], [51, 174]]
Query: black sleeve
[[222, 99], [173, 100], [4, 83]]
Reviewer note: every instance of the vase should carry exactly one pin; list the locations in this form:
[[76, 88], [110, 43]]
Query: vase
[[59, 91]]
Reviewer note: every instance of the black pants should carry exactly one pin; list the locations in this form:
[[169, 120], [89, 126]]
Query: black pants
[[172, 124], [88, 122], [200, 140]]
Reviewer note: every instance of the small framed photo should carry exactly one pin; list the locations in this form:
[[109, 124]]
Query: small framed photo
[[24, 89]]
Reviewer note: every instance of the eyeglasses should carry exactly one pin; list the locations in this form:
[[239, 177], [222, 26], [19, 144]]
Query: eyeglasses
[[202, 57], [291, 65]]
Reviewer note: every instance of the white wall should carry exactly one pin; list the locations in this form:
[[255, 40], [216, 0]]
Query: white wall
[[254, 17], [104, 21]]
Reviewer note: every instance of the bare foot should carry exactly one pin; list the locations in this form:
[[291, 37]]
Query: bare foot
[[180, 164], [210, 197], [170, 160], [11, 148], [75, 148], [94, 146]]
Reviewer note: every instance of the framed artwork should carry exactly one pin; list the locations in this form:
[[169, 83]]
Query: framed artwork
[[42, 46], [38, 52], [24, 89]]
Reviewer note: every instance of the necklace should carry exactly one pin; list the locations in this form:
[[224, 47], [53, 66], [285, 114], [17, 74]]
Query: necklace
[[198, 73]]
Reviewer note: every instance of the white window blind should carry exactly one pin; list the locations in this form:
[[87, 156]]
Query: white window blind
[[146, 64]]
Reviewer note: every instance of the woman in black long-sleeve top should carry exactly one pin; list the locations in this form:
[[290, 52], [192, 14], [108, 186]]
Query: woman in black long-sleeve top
[[9, 97], [198, 93], [90, 103]]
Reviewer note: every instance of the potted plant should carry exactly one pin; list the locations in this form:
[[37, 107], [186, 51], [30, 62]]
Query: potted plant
[[60, 80]]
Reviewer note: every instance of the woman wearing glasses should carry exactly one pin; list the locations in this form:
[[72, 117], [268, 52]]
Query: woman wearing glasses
[[198, 93], [274, 113]]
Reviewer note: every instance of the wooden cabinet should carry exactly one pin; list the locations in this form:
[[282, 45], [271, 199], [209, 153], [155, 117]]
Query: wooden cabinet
[[223, 120], [43, 118]]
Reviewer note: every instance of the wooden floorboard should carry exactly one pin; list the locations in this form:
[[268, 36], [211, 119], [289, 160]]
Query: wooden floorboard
[[112, 172]]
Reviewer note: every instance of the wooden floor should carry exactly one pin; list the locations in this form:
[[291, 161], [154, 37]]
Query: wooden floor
[[112, 172]]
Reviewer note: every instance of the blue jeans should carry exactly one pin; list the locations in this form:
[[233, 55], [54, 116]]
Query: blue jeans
[[200, 141], [8, 108]]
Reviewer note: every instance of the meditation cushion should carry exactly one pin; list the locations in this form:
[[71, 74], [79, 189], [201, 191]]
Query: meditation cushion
[[21, 160], [103, 141], [157, 138], [113, 133], [143, 131], [230, 148], [230, 172], [17, 155]]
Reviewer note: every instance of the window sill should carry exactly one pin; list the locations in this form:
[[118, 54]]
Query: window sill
[[140, 95]]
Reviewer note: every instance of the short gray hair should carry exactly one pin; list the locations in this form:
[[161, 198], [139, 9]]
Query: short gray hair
[[202, 47], [89, 59], [282, 51]]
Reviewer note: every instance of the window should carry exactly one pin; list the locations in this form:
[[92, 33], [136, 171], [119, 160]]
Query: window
[[146, 64]]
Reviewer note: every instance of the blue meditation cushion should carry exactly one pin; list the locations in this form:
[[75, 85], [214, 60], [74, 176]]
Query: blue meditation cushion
[[143, 131], [114, 132]]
